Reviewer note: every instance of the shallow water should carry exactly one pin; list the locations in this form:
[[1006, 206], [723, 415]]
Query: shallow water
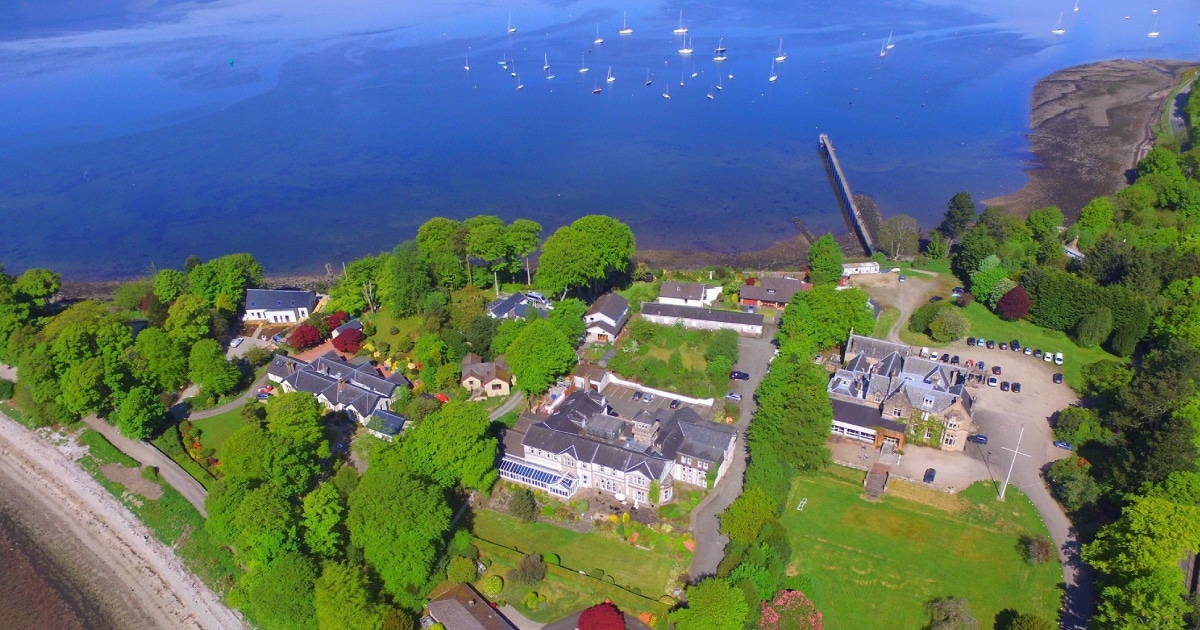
[[315, 132]]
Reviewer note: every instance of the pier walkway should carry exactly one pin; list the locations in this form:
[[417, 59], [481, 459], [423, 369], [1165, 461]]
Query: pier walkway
[[842, 186]]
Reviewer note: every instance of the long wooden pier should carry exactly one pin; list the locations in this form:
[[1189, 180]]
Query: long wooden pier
[[842, 187]]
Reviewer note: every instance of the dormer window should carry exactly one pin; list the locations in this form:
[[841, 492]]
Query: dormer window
[[928, 402]]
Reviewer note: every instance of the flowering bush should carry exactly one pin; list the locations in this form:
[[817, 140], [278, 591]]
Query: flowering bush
[[601, 617], [791, 610], [349, 341]]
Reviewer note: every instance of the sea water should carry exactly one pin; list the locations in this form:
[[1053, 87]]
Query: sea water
[[316, 131]]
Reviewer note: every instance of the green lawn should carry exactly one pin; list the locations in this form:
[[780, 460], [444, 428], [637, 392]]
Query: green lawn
[[405, 327], [651, 572], [886, 320], [874, 565], [217, 429]]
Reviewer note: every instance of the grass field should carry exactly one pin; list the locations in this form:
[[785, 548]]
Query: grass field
[[875, 565], [217, 429], [885, 322], [383, 326], [648, 571]]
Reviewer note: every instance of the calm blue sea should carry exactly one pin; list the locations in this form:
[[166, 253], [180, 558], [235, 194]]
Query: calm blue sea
[[315, 131]]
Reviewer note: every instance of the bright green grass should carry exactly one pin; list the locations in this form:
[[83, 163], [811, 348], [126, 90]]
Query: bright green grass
[[215, 430], [875, 565], [886, 320], [630, 566], [406, 327]]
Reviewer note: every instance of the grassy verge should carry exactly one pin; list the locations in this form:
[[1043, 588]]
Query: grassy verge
[[875, 565], [17, 416], [169, 443], [886, 320], [564, 590], [104, 451]]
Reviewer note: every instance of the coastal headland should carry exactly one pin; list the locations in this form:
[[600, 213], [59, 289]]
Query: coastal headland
[[1089, 125], [104, 563]]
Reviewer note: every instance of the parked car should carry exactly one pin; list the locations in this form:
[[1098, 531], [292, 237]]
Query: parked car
[[930, 475], [1047, 357], [935, 299], [237, 341], [954, 361], [1016, 388], [262, 396], [957, 291], [1058, 379], [977, 439], [1004, 386], [637, 396], [970, 341], [817, 360], [1038, 353], [991, 344], [733, 396], [981, 365], [1003, 346], [933, 356], [1058, 358], [647, 398], [902, 278], [945, 358], [675, 403], [1015, 345], [996, 370], [993, 381], [739, 376], [1066, 446], [1028, 351]]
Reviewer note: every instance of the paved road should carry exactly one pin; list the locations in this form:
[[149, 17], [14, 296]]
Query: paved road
[[512, 403], [148, 455], [233, 404], [753, 358]]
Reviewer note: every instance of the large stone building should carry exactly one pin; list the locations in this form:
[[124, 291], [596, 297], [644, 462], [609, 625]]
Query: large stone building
[[583, 444], [902, 391]]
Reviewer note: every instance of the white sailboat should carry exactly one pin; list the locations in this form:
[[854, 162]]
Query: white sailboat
[[549, 77], [648, 80], [625, 30], [774, 77], [687, 48], [719, 53], [710, 95], [1153, 29], [1058, 29], [503, 63], [667, 94], [467, 63], [520, 86], [888, 44], [511, 29], [599, 40], [1076, 9], [780, 56], [545, 61], [883, 50], [682, 30], [610, 78], [719, 79], [583, 64]]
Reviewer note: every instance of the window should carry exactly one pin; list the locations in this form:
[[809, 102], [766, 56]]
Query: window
[[927, 402], [878, 397], [951, 424], [897, 412], [949, 439], [928, 433], [497, 386]]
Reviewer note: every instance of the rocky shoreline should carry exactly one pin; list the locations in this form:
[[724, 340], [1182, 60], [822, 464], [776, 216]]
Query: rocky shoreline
[[1089, 126]]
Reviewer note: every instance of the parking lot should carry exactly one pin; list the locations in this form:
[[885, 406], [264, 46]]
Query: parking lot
[[620, 398]]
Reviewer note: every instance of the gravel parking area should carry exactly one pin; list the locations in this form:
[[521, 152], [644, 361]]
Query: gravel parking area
[[620, 398]]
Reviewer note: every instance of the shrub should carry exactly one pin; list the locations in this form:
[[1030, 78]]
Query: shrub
[[7, 389], [1094, 327], [522, 505], [597, 573], [150, 473], [1036, 549], [393, 331], [552, 558], [964, 300], [1014, 305], [349, 341], [491, 586], [790, 610], [949, 326], [531, 600], [461, 570], [922, 317], [1078, 425], [405, 344], [1072, 483], [604, 616], [1026, 621], [305, 336], [257, 356], [336, 319], [530, 571]]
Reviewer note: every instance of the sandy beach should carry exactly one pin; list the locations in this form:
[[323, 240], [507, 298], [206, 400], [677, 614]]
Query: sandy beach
[[1088, 126], [107, 555]]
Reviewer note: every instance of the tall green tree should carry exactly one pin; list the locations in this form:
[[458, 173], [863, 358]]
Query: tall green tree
[[539, 355], [159, 360], [139, 413], [973, 248], [900, 235], [1044, 222], [712, 605], [825, 260], [405, 281], [613, 241], [453, 447], [522, 238], [323, 512], [960, 214], [444, 244], [399, 522], [83, 388], [37, 284], [266, 526], [826, 316], [224, 280], [747, 515], [208, 368], [169, 284], [188, 320], [297, 415], [224, 498], [343, 599], [567, 317], [568, 262], [357, 291], [794, 413], [279, 595], [487, 244]]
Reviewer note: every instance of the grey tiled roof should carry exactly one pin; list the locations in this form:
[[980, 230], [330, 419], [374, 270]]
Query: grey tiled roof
[[612, 306], [686, 433], [895, 372], [701, 314], [502, 307], [772, 289], [861, 415], [682, 290], [279, 299], [463, 608]]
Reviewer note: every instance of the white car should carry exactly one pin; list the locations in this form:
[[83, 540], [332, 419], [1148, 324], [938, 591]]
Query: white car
[[237, 341], [1058, 358], [993, 381], [1047, 357], [933, 356]]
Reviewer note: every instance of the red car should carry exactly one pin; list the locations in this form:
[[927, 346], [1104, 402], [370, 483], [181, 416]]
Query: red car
[[996, 370]]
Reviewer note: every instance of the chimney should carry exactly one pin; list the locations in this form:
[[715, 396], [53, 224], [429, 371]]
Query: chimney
[[341, 384], [291, 365]]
